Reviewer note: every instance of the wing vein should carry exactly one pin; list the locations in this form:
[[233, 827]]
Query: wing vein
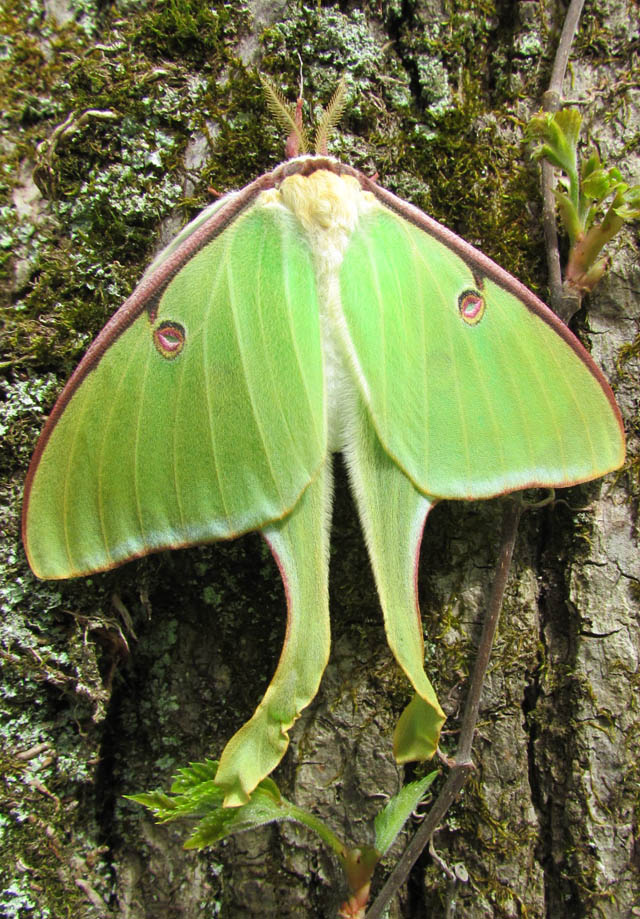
[[206, 370], [246, 360]]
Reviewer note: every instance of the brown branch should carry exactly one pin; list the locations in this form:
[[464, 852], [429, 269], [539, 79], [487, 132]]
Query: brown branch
[[462, 765], [510, 520], [553, 96]]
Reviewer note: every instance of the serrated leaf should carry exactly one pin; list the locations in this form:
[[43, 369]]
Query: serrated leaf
[[629, 207], [559, 136], [550, 153], [397, 811], [539, 128], [261, 809], [580, 195], [196, 795], [202, 798], [156, 801], [598, 184], [193, 775], [568, 121], [590, 165]]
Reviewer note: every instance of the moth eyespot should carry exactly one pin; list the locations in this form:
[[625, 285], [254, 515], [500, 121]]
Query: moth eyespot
[[472, 306], [169, 339]]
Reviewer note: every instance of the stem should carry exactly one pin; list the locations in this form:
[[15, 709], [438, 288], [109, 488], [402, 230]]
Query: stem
[[565, 306], [462, 765], [553, 95], [551, 236], [318, 826], [580, 277]]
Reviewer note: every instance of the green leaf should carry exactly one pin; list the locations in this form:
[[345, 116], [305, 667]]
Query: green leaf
[[569, 215], [194, 794], [161, 804], [580, 196], [629, 206], [193, 775], [598, 184], [590, 165], [261, 809], [190, 797], [397, 811], [568, 122], [559, 135]]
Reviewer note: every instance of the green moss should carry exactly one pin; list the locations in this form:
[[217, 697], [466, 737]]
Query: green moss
[[189, 30], [37, 807], [458, 154], [594, 40], [629, 352], [109, 181]]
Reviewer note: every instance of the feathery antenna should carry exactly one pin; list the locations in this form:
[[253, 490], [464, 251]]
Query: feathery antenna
[[330, 117], [289, 116]]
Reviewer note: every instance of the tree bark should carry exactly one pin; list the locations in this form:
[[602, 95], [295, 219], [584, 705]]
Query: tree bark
[[111, 683]]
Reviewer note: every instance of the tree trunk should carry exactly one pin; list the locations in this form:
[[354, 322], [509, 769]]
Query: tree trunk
[[111, 683]]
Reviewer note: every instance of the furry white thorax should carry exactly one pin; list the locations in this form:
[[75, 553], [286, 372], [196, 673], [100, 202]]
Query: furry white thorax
[[328, 207]]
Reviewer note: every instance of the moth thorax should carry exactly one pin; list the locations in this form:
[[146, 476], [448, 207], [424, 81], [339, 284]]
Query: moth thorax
[[323, 201], [328, 207]]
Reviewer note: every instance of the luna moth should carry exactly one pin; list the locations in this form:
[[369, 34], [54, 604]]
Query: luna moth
[[309, 313]]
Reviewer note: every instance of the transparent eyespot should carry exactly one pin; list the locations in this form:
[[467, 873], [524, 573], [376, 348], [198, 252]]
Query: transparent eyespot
[[169, 338], [472, 306]]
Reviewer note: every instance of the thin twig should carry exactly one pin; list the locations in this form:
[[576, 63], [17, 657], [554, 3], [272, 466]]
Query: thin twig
[[510, 520], [553, 95], [462, 766], [564, 303], [550, 229]]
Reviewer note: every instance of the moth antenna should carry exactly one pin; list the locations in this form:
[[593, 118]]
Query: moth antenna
[[330, 117], [297, 142], [289, 116]]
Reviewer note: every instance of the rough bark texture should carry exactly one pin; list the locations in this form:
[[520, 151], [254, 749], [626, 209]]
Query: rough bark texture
[[111, 683]]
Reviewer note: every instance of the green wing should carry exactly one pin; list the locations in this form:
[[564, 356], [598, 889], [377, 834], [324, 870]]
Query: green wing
[[474, 387], [470, 387], [198, 413], [300, 545]]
